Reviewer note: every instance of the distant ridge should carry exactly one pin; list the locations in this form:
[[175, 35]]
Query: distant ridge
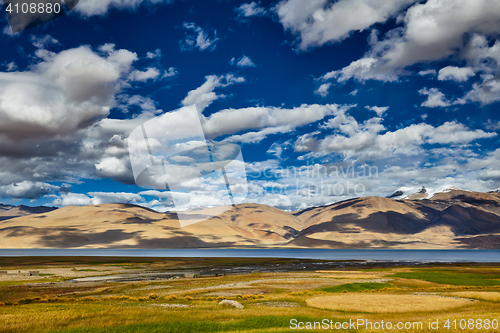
[[9, 211], [448, 219]]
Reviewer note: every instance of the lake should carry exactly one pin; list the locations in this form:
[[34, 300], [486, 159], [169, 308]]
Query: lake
[[324, 254]]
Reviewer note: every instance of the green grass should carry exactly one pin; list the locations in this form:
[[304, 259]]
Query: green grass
[[452, 277], [254, 323], [87, 270], [351, 287]]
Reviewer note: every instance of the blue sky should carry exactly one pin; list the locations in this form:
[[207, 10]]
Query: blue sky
[[401, 88]]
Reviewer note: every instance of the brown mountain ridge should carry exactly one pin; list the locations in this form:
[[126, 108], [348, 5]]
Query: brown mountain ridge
[[448, 220]]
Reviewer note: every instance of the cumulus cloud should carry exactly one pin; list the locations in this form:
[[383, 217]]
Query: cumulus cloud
[[314, 184], [431, 72], [26, 190], [204, 95], [486, 92], [269, 120], [361, 70], [323, 89], [278, 148], [457, 74], [250, 9], [62, 93], [244, 61], [318, 22], [54, 126], [172, 71], [149, 74], [431, 32], [369, 141], [379, 110], [43, 41], [155, 54], [435, 98], [97, 198], [113, 167], [197, 38]]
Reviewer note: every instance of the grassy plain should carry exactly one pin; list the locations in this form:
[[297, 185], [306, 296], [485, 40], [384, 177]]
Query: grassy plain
[[272, 291]]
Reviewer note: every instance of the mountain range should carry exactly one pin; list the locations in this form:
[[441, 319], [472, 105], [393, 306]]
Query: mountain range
[[447, 219]]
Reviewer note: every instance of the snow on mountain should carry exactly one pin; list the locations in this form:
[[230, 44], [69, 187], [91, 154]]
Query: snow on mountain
[[419, 193]]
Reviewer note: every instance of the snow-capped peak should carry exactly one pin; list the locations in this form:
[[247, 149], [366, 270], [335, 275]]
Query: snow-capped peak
[[420, 192]]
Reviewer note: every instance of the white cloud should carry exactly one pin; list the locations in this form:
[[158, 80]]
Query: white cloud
[[155, 54], [42, 42], [452, 132], [26, 190], [456, 74], [480, 55], [62, 92], [431, 72], [245, 61], [11, 66], [158, 194], [361, 70], [486, 92], [435, 98], [269, 119], [54, 126], [379, 110], [204, 95], [172, 71], [277, 149], [431, 32], [111, 166], [90, 8], [484, 59], [318, 22], [354, 92], [491, 125], [323, 89], [256, 137], [97, 198], [315, 184], [250, 9], [149, 74], [367, 141], [197, 37]]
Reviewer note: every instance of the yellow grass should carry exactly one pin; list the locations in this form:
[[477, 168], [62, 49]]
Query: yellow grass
[[352, 276], [378, 303], [486, 295]]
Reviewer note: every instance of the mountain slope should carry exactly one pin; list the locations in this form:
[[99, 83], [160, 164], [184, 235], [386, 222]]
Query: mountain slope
[[447, 220], [130, 226]]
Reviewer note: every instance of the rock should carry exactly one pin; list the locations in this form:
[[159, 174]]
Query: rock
[[235, 304]]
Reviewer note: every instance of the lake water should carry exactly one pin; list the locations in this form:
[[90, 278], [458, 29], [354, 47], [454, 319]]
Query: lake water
[[326, 254]]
